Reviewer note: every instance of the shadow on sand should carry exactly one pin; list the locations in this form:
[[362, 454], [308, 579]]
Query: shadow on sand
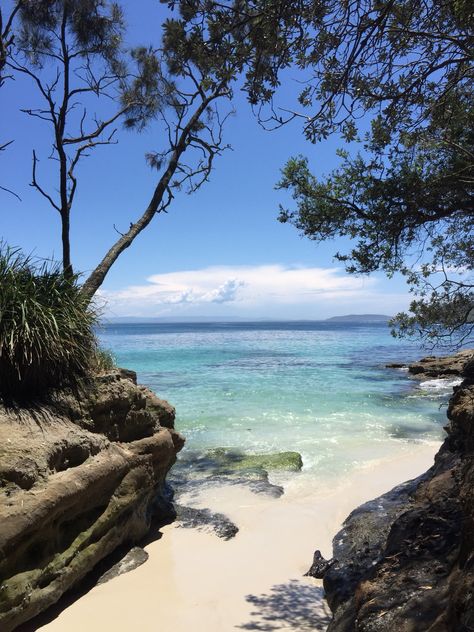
[[291, 606]]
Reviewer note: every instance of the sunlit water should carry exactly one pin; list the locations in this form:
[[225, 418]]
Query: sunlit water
[[320, 389]]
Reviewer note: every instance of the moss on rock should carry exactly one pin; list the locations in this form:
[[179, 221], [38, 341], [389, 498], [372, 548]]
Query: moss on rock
[[237, 461]]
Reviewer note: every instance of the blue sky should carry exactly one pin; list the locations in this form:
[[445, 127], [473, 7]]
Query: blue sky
[[220, 252]]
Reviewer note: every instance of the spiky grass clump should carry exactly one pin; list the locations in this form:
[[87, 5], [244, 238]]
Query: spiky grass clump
[[104, 360], [46, 336]]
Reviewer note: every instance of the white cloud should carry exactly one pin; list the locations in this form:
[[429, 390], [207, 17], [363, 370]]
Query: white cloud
[[267, 290], [225, 293]]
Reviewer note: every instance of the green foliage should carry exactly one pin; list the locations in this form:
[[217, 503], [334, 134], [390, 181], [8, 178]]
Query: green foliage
[[46, 337], [408, 209], [405, 200], [103, 361], [95, 28]]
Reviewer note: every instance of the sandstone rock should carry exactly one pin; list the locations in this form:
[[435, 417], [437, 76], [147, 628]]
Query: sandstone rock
[[79, 477], [437, 366]]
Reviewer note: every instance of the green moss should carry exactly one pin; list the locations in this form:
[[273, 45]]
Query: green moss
[[16, 589], [233, 460]]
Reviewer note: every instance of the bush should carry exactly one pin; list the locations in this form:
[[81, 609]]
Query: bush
[[104, 361], [46, 336]]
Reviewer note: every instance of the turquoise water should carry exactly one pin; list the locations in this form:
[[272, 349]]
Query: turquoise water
[[318, 388]]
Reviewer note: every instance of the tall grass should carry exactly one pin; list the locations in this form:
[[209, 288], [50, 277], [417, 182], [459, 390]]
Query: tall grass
[[46, 336]]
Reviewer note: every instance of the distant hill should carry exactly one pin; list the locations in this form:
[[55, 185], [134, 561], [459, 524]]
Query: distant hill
[[360, 318]]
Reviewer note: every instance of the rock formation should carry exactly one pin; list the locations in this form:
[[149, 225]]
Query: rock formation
[[79, 477], [434, 366], [405, 561]]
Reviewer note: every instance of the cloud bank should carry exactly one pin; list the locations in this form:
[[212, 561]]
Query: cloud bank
[[271, 290]]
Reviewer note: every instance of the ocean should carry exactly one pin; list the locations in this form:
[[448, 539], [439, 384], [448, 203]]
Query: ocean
[[318, 388]]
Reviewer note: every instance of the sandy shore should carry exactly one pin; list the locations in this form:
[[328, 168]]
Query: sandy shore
[[194, 581]]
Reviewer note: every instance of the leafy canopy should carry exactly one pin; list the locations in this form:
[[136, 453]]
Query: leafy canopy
[[406, 197]]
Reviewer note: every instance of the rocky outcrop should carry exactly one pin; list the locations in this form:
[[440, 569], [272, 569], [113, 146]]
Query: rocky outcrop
[[405, 561], [434, 366], [80, 476]]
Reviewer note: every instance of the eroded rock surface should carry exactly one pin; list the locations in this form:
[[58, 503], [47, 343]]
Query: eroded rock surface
[[435, 366], [405, 561], [79, 478]]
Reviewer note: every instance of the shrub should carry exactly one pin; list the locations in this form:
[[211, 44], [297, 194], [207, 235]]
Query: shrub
[[104, 360], [46, 336]]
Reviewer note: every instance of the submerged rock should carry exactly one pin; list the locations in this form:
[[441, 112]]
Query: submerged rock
[[230, 460], [79, 478], [226, 466], [405, 561]]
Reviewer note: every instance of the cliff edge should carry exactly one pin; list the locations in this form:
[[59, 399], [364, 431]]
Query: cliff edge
[[79, 477], [404, 562]]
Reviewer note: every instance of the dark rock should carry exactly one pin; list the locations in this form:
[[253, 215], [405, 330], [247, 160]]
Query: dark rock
[[468, 369], [320, 566], [128, 375], [263, 487], [405, 561], [206, 520], [135, 557]]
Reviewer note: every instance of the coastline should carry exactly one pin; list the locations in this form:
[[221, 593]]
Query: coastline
[[195, 580]]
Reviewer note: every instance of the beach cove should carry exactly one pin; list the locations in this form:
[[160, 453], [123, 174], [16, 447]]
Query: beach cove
[[196, 580]]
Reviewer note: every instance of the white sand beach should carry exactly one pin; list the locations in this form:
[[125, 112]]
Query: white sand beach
[[197, 581]]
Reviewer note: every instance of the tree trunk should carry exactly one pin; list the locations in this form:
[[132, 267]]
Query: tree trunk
[[97, 276], [65, 238]]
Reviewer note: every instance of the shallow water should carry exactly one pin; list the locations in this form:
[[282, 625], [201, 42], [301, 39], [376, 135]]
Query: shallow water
[[321, 389]]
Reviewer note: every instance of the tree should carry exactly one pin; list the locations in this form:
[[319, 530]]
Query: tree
[[72, 51], [204, 53], [7, 20], [409, 209], [406, 199]]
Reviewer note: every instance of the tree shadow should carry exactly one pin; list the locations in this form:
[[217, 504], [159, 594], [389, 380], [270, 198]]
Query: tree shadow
[[294, 605]]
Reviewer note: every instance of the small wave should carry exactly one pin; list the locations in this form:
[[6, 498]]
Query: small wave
[[440, 384]]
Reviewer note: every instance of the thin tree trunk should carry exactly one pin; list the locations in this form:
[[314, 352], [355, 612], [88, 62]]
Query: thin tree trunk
[[59, 133], [65, 238], [97, 276]]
